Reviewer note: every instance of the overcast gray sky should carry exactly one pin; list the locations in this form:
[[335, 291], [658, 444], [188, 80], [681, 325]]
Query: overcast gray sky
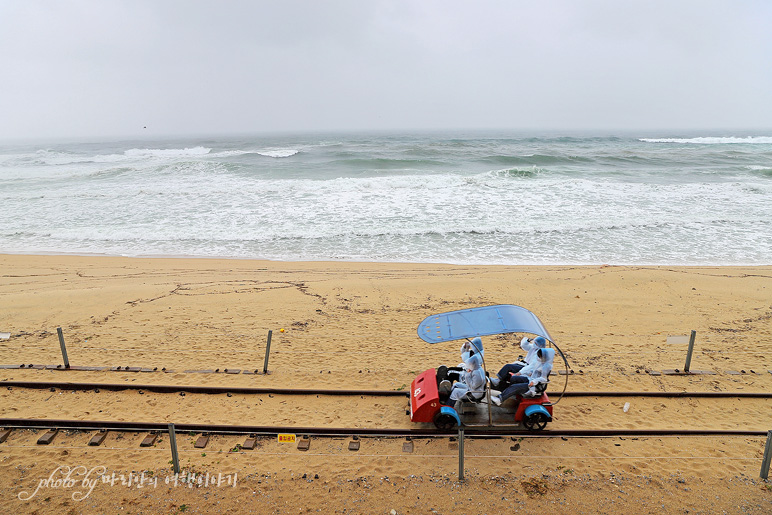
[[72, 68]]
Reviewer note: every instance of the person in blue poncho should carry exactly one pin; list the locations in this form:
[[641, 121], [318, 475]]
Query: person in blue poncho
[[472, 383], [531, 381], [453, 374], [502, 379]]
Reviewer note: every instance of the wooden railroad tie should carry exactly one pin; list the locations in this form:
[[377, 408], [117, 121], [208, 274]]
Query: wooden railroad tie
[[98, 438], [48, 437]]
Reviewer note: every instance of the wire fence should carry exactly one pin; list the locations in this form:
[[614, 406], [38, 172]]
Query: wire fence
[[610, 353], [573, 356], [301, 333], [296, 344]]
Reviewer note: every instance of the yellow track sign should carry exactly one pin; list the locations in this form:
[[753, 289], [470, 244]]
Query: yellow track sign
[[286, 438]]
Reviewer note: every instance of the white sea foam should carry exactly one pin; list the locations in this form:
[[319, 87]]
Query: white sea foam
[[228, 153], [53, 158], [13, 158], [712, 140], [278, 152], [167, 152]]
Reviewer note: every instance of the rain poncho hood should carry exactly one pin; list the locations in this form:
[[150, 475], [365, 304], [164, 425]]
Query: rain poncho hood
[[543, 369], [472, 348], [473, 362], [547, 356], [531, 346]]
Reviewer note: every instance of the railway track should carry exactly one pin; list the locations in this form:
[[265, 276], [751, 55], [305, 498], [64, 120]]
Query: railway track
[[294, 391], [64, 420], [85, 425]]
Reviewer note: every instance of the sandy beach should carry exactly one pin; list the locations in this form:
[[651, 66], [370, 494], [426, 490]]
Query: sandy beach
[[343, 325]]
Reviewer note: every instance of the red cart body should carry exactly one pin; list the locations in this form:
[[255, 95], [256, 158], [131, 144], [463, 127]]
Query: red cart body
[[424, 397]]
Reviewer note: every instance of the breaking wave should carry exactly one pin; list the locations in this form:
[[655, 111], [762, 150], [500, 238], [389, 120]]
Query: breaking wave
[[759, 140], [278, 152], [167, 152]]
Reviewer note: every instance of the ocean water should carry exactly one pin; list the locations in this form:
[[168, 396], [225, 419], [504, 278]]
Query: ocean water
[[470, 198]]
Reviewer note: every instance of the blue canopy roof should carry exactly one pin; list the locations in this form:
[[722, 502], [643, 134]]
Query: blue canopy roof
[[468, 323]]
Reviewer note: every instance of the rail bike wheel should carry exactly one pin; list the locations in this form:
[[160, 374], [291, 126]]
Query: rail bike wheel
[[444, 421], [535, 421]]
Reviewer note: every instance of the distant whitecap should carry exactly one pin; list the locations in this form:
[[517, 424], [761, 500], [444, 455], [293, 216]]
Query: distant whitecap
[[712, 140]]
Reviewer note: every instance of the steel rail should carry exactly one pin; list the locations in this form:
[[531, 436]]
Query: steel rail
[[160, 388], [162, 427]]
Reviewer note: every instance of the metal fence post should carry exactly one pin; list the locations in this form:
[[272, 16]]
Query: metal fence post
[[460, 453], [63, 347], [689, 352], [767, 456], [173, 441], [267, 352]]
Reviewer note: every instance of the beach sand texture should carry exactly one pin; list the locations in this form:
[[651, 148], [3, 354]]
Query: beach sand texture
[[353, 326]]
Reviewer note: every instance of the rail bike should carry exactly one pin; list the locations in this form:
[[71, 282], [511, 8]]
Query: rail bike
[[428, 405]]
